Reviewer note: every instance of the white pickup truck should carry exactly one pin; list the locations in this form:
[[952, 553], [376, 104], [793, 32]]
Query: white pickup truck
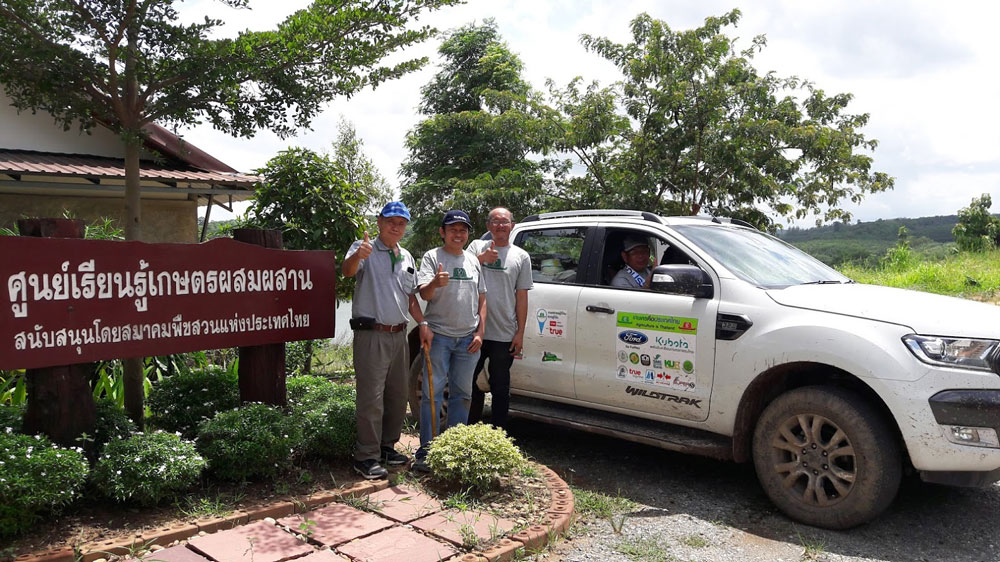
[[746, 348]]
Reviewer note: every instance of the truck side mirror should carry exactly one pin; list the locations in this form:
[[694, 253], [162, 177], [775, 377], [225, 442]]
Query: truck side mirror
[[678, 279]]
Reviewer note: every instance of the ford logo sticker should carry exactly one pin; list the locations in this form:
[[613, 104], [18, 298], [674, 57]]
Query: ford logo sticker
[[633, 337]]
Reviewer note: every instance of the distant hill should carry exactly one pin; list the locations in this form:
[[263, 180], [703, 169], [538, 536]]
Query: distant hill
[[866, 242]]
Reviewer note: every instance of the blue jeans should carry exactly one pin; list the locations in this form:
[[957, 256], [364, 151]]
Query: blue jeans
[[452, 363]]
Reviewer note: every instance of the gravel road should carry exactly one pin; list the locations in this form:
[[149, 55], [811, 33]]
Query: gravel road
[[692, 508]]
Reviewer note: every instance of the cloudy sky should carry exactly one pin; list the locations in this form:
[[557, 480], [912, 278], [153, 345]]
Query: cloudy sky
[[924, 70]]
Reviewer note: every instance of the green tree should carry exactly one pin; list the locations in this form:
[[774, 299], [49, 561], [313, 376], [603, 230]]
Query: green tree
[[358, 170], [471, 152], [699, 129], [977, 230], [126, 64]]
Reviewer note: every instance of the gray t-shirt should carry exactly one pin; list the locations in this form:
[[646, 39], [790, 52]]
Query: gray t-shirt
[[454, 310], [510, 273], [383, 287], [624, 279]]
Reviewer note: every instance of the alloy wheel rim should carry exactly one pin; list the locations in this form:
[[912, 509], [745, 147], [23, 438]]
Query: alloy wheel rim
[[815, 459]]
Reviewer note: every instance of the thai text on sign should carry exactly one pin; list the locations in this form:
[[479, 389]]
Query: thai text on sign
[[73, 301]]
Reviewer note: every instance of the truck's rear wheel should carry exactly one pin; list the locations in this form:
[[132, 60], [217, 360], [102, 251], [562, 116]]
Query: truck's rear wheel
[[826, 457]]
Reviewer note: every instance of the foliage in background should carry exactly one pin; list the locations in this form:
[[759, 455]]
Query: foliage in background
[[36, 477], [148, 468], [977, 230], [474, 455], [181, 402], [327, 413], [471, 151], [359, 171], [254, 441], [113, 424], [12, 417], [972, 275], [702, 130], [13, 388]]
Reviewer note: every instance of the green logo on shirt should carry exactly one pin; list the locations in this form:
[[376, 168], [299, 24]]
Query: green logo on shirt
[[495, 265], [460, 274]]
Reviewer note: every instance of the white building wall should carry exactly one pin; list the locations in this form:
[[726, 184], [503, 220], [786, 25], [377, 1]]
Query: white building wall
[[25, 131]]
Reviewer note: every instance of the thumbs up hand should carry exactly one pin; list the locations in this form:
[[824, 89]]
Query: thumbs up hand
[[365, 249], [489, 255], [442, 277]]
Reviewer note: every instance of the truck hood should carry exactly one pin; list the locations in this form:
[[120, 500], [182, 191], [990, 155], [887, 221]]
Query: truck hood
[[925, 313]]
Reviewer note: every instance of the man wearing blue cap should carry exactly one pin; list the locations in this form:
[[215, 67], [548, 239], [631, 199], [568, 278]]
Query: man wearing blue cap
[[384, 292], [451, 282]]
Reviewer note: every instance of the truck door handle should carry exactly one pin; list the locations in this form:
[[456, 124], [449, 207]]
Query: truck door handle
[[604, 309]]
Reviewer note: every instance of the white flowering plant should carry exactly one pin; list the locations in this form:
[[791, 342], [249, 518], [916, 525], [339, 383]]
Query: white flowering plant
[[476, 456], [182, 401], [36, 477], [254, 441], [327, 413], [11, 416], [148, 468], [113, 424]]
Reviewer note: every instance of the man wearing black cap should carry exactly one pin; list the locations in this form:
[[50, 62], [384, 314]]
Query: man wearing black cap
[[384, 292], [635, 254], [450, 281]]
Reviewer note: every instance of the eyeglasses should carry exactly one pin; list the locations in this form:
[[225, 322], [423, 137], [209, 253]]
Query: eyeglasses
[[501, 222]]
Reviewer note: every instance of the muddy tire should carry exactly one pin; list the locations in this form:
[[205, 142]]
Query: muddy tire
[[416, 384], [826, 457]]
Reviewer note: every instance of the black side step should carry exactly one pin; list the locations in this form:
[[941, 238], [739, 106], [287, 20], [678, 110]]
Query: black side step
[[630, 428]]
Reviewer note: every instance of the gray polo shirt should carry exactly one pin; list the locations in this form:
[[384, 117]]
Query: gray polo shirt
[[624, 279], [454, 310], [504, 277], [383, 288]]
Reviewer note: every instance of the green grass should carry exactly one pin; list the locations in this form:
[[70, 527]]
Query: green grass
[[644, 550], [333, 359], [601, 505], [967, 275], [694, 541], [218, 506]]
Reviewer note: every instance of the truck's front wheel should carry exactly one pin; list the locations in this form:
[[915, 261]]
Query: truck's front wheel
[[826, 457]]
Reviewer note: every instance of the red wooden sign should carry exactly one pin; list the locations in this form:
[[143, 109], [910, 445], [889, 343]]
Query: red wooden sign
[[73, 301]]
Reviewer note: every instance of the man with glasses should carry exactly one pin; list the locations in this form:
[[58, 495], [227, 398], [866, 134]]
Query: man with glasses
[[636, 273], [507, 270]]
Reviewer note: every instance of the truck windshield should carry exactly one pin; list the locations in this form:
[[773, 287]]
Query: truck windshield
[[759, 258]]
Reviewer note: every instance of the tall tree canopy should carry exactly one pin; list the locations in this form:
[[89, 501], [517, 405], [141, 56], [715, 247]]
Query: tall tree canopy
[[694, 127], [471, 152]]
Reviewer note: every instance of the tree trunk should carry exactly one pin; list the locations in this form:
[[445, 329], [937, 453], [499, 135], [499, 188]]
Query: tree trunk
[[59, 398], [262, 367], [132, 367]]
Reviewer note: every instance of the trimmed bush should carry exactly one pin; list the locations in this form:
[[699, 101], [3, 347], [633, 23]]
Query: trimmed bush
[[326, 411], [474, 455], [255, 441], [12, 417], [180, 402], [147, 468], [113, 424], [35, 477]]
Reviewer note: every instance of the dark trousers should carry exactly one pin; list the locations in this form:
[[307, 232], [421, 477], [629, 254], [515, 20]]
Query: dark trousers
[[500, 359]]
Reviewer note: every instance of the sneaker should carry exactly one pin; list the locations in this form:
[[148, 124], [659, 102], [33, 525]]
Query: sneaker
[[390, 457], [370, 469], [420, 465]]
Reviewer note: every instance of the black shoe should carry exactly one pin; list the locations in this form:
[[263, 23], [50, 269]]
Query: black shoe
[[370, 469], [420, 465], [390, 457]]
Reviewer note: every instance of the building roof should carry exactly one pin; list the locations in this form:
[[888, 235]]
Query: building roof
[[97, 168]]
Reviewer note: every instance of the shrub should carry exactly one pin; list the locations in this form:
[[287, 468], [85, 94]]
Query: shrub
[[147, 467], [113, 424], [12, 417], [474, 455], [251, 442], [326, 412], [182, 401], [35, 477]]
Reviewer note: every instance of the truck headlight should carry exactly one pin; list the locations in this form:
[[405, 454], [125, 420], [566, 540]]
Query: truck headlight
[[964, 353]]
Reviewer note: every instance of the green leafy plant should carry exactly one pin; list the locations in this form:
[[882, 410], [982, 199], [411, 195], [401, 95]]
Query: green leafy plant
[[11, 417], [474, 455], [35, 477], [113, 424], [13, 389], [326, 411], [147, 468], [182, 401], [254, 441]]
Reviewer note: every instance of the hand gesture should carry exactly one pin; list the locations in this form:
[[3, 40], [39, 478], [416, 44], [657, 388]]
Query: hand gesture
[[517, 344], [365, 249], [442, 277], [489, 255], [476, 343]]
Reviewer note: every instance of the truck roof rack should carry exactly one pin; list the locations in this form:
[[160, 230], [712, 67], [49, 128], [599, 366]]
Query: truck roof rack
[[645, 215]]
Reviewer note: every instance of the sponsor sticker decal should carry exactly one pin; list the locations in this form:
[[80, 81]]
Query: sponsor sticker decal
[[664, 347]]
